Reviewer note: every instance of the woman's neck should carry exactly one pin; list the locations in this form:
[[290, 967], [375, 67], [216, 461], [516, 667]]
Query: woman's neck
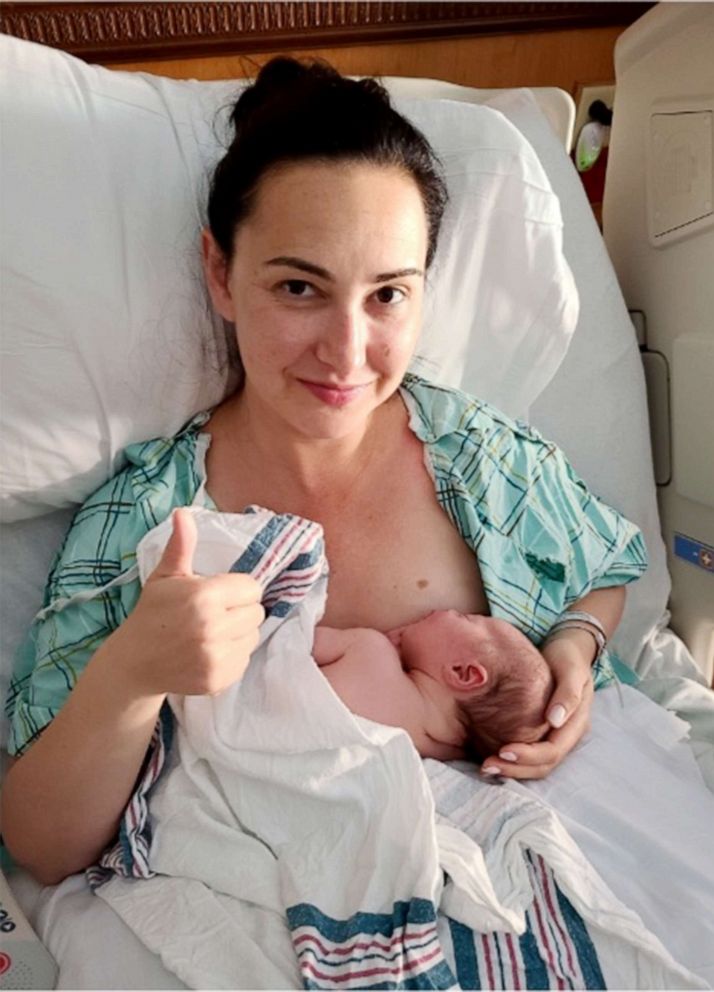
[[308, 470]]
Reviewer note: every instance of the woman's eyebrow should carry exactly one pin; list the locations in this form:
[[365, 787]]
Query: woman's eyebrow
[[317, 270]]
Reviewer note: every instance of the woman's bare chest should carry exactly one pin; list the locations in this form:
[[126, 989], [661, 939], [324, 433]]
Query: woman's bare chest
[[394, 561], [393, 553], [397, 559]]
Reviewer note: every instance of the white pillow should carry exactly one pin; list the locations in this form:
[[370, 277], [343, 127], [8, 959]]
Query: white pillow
[[107, 336], [103, 320], [501, 303]]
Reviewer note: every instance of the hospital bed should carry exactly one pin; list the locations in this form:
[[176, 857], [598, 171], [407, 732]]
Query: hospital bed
[[113, 167]]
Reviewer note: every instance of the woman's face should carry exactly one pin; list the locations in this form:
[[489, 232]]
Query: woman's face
[[325, 291]]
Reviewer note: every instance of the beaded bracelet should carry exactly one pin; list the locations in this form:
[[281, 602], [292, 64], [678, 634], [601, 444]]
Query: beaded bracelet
[[580, 620]]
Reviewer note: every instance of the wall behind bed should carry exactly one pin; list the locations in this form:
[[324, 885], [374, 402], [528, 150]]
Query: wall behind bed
[[475, 44]]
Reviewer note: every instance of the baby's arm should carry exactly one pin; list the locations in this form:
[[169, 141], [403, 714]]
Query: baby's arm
[[330, 644], [364, 669]]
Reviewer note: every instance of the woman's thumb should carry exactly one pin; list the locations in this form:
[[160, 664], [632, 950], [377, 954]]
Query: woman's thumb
[[562, 705], [177, 558]]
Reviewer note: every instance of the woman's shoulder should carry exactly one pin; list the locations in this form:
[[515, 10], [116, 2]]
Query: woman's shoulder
[[475, 448], [148, 461], [157, 475], [149, 467], [438, 411]]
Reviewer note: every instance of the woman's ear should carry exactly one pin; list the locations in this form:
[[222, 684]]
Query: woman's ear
[[215, 268]]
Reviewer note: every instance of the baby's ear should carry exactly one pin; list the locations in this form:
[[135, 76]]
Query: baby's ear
[[467, 676]]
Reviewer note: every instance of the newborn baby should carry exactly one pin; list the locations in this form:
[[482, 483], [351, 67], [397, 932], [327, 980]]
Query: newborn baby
[[459, 685]]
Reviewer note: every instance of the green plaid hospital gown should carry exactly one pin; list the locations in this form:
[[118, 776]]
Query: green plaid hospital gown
[[542, 539]]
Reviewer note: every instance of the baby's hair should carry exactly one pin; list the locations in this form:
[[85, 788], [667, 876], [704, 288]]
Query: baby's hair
[[511, 708], [301, 110]]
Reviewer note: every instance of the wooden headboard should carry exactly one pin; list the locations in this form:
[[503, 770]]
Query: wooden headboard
[[475, 44]]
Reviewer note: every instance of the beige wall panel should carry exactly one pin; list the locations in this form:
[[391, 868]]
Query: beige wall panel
[[547, 58]]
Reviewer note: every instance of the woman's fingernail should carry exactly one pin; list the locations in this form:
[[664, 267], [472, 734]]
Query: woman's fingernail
[[508, 755], [491, 770], [556, 717]]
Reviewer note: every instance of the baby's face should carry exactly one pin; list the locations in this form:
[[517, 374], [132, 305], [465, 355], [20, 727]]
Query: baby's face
[[447, 636]]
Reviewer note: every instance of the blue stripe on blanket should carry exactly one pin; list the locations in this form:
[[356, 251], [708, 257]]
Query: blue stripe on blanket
[[250, 559], [274, 557], [587, 955], [397, 950], [536, 973], [555, 952], [462, 940]]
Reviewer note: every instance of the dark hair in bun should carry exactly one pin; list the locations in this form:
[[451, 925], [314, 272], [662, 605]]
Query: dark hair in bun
[[307, 110]]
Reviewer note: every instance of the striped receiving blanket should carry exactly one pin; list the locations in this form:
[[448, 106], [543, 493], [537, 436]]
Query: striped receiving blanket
[[294, 844]]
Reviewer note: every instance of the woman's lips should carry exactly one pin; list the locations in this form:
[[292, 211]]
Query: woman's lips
[[334, 395]]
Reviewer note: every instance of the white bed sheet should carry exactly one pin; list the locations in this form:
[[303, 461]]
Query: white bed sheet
[[93, 946], [633, 799]]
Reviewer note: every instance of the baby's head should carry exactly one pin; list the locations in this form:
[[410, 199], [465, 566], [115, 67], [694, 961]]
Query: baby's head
[[511, 706], [487, 670]]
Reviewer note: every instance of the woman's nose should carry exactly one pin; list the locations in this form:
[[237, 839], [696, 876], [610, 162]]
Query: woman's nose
[[343, 346]]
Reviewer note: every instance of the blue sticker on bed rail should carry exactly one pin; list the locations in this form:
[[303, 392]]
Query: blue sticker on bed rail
[[694, 552]]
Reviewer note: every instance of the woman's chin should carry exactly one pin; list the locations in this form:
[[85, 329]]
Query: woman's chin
[[329, 429], [333, 420]]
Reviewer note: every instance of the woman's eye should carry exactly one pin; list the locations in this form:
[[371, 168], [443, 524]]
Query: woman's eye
[[298, 288], [390, 295]]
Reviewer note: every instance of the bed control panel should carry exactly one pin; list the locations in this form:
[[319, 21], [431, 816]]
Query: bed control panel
[[24, 961]]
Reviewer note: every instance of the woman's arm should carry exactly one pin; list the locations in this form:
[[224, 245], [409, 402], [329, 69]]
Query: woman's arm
[[63, 798], [570, 654]]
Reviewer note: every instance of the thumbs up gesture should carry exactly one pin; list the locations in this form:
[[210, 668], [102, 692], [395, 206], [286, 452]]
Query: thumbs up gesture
[[190, 634], [177, 559]]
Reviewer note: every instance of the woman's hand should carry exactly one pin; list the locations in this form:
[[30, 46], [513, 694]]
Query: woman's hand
[[569, 655], [188, 634]]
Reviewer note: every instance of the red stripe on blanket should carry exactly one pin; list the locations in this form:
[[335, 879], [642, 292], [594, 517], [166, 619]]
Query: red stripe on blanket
[[275, 553], [544, 942], [485, 943], [348, 976], [560, 928], [411, 936], [516, 965], [293, 583]]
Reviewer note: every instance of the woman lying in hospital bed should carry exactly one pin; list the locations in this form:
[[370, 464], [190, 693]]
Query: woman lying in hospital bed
[[317, 252], [320, 265]]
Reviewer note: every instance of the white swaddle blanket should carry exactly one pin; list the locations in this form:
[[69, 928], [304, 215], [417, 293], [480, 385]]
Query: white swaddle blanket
[[297, 844], [335, 814]]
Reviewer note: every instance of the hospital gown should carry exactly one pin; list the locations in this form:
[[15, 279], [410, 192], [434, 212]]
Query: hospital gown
[[542, 539]]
